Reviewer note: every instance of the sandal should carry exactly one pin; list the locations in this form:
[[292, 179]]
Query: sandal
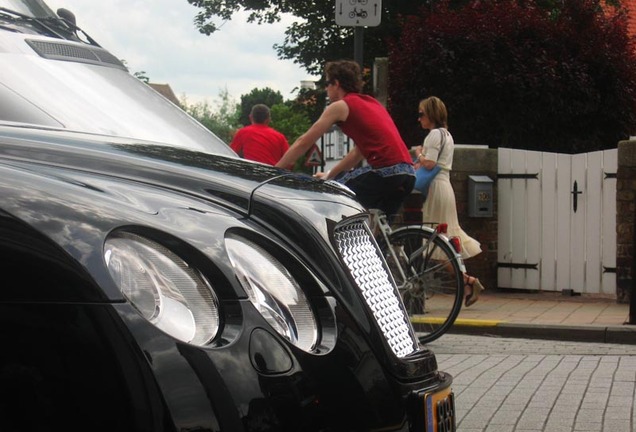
[[476, 289]]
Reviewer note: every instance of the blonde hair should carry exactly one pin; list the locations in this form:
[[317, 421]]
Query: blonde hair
[[435, 110]]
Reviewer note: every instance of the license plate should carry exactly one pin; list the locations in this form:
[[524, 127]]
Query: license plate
[[440, 411]]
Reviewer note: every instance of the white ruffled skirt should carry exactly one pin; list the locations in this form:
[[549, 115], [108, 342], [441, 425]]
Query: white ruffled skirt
[[440, 207]]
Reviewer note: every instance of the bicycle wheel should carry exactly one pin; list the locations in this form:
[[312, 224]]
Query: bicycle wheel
[[429, 276]]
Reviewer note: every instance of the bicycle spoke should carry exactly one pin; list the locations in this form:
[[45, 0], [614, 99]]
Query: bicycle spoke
[[428, 277]]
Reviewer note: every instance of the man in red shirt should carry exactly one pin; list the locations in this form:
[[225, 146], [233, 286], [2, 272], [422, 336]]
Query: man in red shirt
[[259, 141]]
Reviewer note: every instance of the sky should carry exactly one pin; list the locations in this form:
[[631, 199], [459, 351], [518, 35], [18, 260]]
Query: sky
[[159, 38]]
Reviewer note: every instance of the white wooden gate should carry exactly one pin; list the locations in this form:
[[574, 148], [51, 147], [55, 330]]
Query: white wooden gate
[[557, 221]]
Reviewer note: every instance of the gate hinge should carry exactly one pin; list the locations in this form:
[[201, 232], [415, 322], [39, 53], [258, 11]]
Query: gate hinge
[[518, 265]]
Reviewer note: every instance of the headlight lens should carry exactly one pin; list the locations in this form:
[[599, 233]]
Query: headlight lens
[[274, 292], [163, 288]]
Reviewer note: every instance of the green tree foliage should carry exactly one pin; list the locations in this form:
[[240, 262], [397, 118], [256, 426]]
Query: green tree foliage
[[315, 37], [513, 74], [222, 121], [292, 118], [312, 102], [141, 75], [292, 121], [289, 120], [265, 96]]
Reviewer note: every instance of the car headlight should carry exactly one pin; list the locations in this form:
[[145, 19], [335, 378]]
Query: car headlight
[[163, 287], [274, 292]]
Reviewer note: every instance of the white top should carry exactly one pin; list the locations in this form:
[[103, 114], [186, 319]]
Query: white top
[[432, 144]]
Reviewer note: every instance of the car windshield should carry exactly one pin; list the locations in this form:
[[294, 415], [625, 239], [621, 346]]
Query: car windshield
[[57, 83], [96, 99]]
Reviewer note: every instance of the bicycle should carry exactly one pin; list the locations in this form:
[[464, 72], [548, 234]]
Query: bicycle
[[428, 270]]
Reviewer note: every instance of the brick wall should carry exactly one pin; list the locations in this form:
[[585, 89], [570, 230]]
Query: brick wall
[[482, 162], [625, 210]]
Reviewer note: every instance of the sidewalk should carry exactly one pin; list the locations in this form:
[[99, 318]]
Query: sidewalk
[[547, 315]]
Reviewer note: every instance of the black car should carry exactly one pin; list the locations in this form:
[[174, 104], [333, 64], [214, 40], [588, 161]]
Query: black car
[[154, 281]]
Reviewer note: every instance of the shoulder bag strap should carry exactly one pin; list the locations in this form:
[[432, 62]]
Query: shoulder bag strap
[[441, 147]]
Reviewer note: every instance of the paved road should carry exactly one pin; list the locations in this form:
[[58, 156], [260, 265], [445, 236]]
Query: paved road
[[526, 385]]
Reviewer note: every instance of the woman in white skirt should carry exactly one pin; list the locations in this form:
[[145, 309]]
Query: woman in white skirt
[[439, 206]]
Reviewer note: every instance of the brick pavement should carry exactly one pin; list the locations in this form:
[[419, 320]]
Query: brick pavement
[[533, 374], [523, 385]]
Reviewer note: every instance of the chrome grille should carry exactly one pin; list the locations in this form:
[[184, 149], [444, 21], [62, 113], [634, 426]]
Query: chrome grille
[[360, 253]]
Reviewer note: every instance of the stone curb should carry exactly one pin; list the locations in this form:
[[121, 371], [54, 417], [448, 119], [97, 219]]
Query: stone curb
[[580, 333]]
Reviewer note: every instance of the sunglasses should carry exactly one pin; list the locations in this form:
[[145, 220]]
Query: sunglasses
[[420, 115], [332, 81]]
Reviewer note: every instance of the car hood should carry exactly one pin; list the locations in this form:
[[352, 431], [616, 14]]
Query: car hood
[[271, 196]]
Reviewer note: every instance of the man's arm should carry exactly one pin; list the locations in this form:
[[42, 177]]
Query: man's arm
[[335, 112]]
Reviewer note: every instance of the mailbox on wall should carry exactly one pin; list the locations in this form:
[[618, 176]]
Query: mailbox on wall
[[480, 196]]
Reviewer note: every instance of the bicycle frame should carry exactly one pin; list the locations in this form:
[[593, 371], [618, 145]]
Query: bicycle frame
[[427, 269], [379, 222]]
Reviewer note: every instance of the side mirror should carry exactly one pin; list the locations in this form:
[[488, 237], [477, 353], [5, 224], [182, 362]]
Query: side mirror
[[67, 15]]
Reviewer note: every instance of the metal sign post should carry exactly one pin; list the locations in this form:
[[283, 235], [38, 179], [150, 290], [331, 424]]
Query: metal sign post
[[358, 14], [358, 46]]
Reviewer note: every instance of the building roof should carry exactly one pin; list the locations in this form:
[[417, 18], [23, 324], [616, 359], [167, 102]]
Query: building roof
[[165, 91]]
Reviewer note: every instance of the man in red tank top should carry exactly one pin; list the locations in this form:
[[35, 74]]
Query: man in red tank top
[[388, 176], [259, 141]]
